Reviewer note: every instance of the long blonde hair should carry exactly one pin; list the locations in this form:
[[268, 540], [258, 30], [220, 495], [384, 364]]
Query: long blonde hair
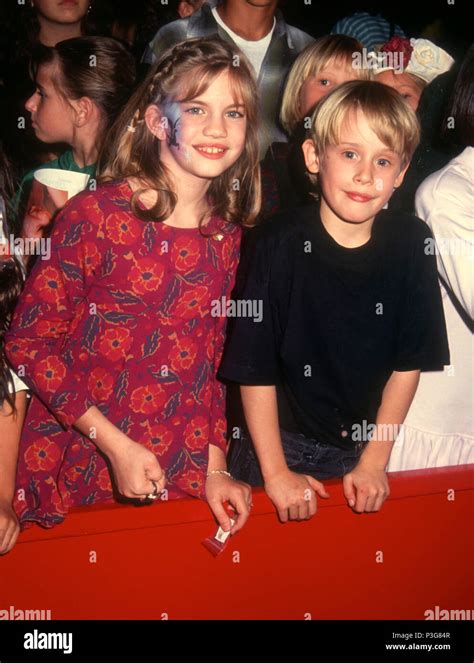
[[312, 60], [133, 151]]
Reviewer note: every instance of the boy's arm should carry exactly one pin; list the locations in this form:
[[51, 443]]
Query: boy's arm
[[261, 415], [292, 494], [366, 487]]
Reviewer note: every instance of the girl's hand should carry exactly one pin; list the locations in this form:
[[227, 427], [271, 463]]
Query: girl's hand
[[134, 468], [366, 488], [9, 527], [221, 488]]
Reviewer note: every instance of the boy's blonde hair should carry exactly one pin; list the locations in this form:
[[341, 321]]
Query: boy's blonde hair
[[182, 73], [310, 62], [388, 115]]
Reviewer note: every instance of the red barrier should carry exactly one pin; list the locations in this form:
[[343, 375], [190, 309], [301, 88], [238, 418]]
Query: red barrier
[[412, 556]]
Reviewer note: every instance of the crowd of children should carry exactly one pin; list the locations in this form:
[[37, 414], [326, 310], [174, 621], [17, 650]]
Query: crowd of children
[[115, 359]]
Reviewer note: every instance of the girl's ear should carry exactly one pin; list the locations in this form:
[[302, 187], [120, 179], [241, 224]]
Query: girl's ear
[[156, 122], [85, 111], [310, 156]]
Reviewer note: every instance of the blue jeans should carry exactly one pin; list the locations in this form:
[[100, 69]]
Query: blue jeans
[[302, 455]]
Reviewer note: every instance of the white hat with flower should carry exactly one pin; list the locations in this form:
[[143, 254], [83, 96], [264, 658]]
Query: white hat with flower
[[419, 57]]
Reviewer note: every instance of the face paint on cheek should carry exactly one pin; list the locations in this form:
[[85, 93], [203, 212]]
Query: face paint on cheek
[[172, 115], [186, 154]]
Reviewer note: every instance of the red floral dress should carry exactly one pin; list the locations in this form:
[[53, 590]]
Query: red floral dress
[[121, 318]]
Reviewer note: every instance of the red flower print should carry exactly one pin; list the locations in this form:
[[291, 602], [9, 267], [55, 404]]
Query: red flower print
[[185, 253], [51, 328], [399, 45], [103, 480], [220, 429], [75, 472], [146, 275], [100, 384], [158, 438], [196, 434], [49, 373], [192, 482], [192, 303], [49, 285], [183, 354], [147, 399], [115, 343], [92, 256], [121, 228], [42, 456], [206, 395], [21, 349], [61, 499], [228, 250]]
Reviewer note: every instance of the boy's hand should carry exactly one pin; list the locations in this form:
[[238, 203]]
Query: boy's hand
[[221, 488], [9, 527], [294, 495], [366, 488]]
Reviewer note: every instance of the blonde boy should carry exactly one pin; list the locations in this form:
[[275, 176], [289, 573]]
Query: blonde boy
[[351, 314]]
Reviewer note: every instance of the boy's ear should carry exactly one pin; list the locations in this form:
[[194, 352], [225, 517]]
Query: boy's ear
[[310, 156], [155, 122], [400, 177]]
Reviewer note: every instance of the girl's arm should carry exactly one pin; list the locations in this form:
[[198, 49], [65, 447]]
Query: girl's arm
[[219, 487], [41, 328], [41, 324], [10, 431], [366, 487], [134, 466]]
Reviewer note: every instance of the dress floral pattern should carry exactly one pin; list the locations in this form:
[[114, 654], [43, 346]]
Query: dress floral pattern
[[120, 318]]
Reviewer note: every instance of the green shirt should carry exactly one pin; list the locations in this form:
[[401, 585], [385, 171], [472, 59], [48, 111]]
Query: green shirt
[[64, 162]]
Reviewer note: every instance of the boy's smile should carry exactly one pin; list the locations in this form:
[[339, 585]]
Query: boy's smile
[[357, 177]]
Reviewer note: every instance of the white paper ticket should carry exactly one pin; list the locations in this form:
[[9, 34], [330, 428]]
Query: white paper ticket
[[222, 536]]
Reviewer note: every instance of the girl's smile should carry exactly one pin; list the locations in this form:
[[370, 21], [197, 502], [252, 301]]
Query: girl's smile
[[211, 151], [203, 136]]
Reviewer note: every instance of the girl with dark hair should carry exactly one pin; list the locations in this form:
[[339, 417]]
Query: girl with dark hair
[[81, 85], [27, 26], [12, 389], [122, 331]]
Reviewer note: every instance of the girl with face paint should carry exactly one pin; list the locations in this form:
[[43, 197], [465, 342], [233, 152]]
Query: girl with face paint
[[128, 326]]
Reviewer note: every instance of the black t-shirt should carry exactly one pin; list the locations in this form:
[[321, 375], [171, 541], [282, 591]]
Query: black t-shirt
[[336, 321]]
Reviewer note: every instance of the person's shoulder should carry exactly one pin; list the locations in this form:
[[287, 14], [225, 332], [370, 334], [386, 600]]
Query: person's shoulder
[[450, 183], [174, 31], [300, 38], [285, 225], [403, 230], [90, 204]]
